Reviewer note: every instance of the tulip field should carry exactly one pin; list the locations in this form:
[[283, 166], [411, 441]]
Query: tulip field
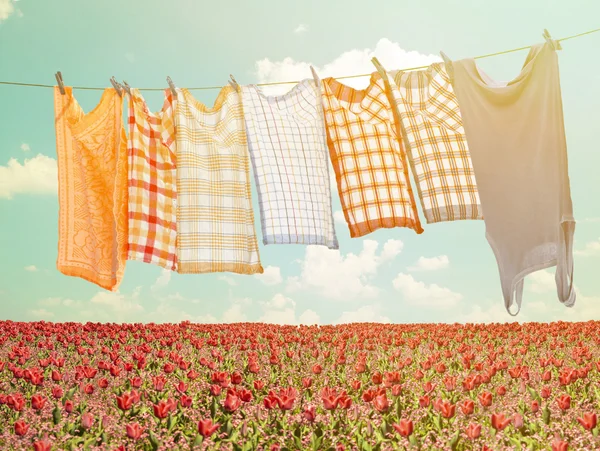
[[254, 386]]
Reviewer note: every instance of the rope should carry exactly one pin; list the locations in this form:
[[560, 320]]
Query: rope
[[88, 88]]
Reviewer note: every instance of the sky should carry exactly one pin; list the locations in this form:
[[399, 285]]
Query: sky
[[446, 274]]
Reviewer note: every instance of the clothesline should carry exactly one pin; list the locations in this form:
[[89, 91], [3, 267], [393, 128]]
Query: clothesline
[[88, 88]]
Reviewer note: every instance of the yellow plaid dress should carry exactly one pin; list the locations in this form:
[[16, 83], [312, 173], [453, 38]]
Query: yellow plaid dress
[[215, 220], [436, 144]]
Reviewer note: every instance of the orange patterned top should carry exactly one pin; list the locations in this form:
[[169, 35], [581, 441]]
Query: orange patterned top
[[92, 184]]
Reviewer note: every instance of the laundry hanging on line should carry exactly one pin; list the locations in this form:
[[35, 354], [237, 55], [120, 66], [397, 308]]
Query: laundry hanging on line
[[402, 124]]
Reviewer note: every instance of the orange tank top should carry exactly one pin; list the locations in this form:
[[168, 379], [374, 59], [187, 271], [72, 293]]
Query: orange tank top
[[92, 184]]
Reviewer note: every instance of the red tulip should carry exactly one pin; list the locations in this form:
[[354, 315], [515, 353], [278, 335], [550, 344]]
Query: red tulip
[[316, 369], [424, 401], [499, 421], [310, 413], [42, 445], [446, 409], [589, 420], [535, 406], [236, 378], [232, 403], [21, 427], [185, 401], [467, 407], [87, 419], [125, 401], [258, 384], [161, 410], [381, 403], [559, 445], [57, 392], [546, 376], [306, 382], [564, 402], [518, 421], [473, 431], [377, 378], [485, 398], [69, 406], [545, 392], [134, 431], [405, 427], [136, 382], [103, 382], [38, 402], [206, 428], [501, 390]]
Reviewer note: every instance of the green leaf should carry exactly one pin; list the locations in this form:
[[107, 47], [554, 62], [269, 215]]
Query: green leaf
[[197, 441], [154, 441], [228, 427], [453, 442], [413, 440], [56, 415], [213, 408], [546, 415]]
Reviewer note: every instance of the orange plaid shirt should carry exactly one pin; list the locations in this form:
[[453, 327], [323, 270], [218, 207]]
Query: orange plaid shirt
[[368, 157]]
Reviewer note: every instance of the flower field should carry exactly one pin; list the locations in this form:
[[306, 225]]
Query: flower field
[[259, 386]]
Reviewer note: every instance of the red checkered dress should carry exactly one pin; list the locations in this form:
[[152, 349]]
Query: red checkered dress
[[151, 150]]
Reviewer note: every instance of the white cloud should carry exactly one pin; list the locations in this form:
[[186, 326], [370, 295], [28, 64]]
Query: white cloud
[[40, 314], [7, 7], [282, 310], [357, 61], [228, 280], [162, 281], [339, 277], [38, 175], [540, 282], [430, 263], [365, 314], [418, 294], [302, 28], [309, 317], [270, 276], [25, 147], [31, 268], [495, 313], [339, 217], [117, 303], [234, 314], [591, 248]]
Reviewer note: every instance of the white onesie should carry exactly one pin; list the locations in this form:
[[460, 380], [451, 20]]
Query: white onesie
[[516, 136]]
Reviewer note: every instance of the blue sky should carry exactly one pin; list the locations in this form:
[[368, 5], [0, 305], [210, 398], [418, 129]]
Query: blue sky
[[446, 274]]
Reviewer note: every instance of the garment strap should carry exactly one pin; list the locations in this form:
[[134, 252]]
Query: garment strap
[[516, 298], [449, 66]]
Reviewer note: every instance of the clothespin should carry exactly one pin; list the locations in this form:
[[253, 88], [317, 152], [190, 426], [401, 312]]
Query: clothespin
[[61, 84], [233, 83], [117, 86], [555, 44], [126, 87], [315, 76], [172, 86]]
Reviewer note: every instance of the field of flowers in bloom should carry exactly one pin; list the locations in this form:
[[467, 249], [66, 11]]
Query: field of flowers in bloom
[[258, 386]]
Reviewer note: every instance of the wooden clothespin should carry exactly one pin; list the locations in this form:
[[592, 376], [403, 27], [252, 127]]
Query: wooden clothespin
[[315, 76], [172, 86], [126, 87], [61, 84], [379, 68], [233, 83], [117, 86], [554, 43]]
